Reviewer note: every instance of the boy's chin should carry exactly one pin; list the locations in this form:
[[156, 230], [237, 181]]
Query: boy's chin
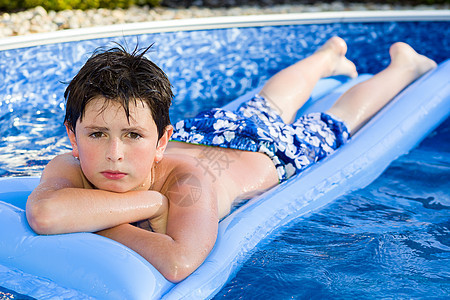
[[114, 189], [119, 186]]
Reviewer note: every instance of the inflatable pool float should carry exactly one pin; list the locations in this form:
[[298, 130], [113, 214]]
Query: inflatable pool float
[[94, 266]]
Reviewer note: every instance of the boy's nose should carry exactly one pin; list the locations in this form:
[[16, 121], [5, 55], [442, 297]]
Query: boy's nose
[[115, 150]]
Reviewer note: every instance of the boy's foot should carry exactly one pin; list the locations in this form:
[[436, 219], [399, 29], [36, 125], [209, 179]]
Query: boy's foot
[[339, 64], [404, 55]]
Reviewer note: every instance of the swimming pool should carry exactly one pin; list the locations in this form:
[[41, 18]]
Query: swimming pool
[[215, 67]]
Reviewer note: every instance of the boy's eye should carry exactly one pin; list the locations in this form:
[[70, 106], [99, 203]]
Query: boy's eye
[[96, 135], [134, 135]]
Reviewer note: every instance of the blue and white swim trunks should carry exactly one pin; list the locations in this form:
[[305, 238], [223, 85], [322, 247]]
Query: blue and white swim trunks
[[256, 127]]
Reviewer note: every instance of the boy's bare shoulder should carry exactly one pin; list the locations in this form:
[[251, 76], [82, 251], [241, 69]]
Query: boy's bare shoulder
[[183, 179], [64, 168], [65, 160], [179, 166]]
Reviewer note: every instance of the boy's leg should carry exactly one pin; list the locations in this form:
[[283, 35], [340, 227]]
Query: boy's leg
[[361, 102], [290, 88]]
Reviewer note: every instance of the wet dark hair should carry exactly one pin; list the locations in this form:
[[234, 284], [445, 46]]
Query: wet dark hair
[[122, 77]]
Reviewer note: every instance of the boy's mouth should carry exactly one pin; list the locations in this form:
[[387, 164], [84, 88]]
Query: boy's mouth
[[114, 175]]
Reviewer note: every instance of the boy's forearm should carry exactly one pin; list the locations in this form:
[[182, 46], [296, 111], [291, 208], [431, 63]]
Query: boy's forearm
[[168, 256], [83, 210]]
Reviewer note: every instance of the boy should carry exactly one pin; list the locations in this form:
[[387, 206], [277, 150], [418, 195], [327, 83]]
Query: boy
[[124, 167]]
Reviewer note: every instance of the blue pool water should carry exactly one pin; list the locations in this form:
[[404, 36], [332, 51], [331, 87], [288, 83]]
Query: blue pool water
[[389, 240]]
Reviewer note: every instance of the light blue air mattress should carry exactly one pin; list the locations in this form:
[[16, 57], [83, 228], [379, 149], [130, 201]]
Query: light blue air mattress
[[83, 264]]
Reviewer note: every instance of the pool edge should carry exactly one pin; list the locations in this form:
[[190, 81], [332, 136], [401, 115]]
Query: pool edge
[[127, 29]]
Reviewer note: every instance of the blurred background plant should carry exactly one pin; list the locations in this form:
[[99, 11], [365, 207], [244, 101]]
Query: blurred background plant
[[58, 5]]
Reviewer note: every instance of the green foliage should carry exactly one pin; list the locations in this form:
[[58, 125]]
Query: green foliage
[[8, 5], [12, 5]]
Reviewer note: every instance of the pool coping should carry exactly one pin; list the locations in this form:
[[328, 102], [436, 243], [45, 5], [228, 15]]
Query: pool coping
[[127, 29]]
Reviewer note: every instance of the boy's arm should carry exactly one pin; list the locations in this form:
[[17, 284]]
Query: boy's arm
[[191, 230], [61, 203]]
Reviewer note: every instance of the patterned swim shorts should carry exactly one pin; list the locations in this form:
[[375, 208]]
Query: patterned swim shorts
[[256, 127]]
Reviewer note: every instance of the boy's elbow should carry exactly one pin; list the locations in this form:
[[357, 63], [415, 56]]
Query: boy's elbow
[[178, 269], [182, 262], [41, 218], [177, 273]]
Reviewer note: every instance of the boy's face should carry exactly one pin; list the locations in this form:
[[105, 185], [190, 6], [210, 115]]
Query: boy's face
[[116, 154]]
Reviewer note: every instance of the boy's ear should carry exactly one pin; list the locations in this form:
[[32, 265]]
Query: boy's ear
[[73, 141], [163, 142]]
